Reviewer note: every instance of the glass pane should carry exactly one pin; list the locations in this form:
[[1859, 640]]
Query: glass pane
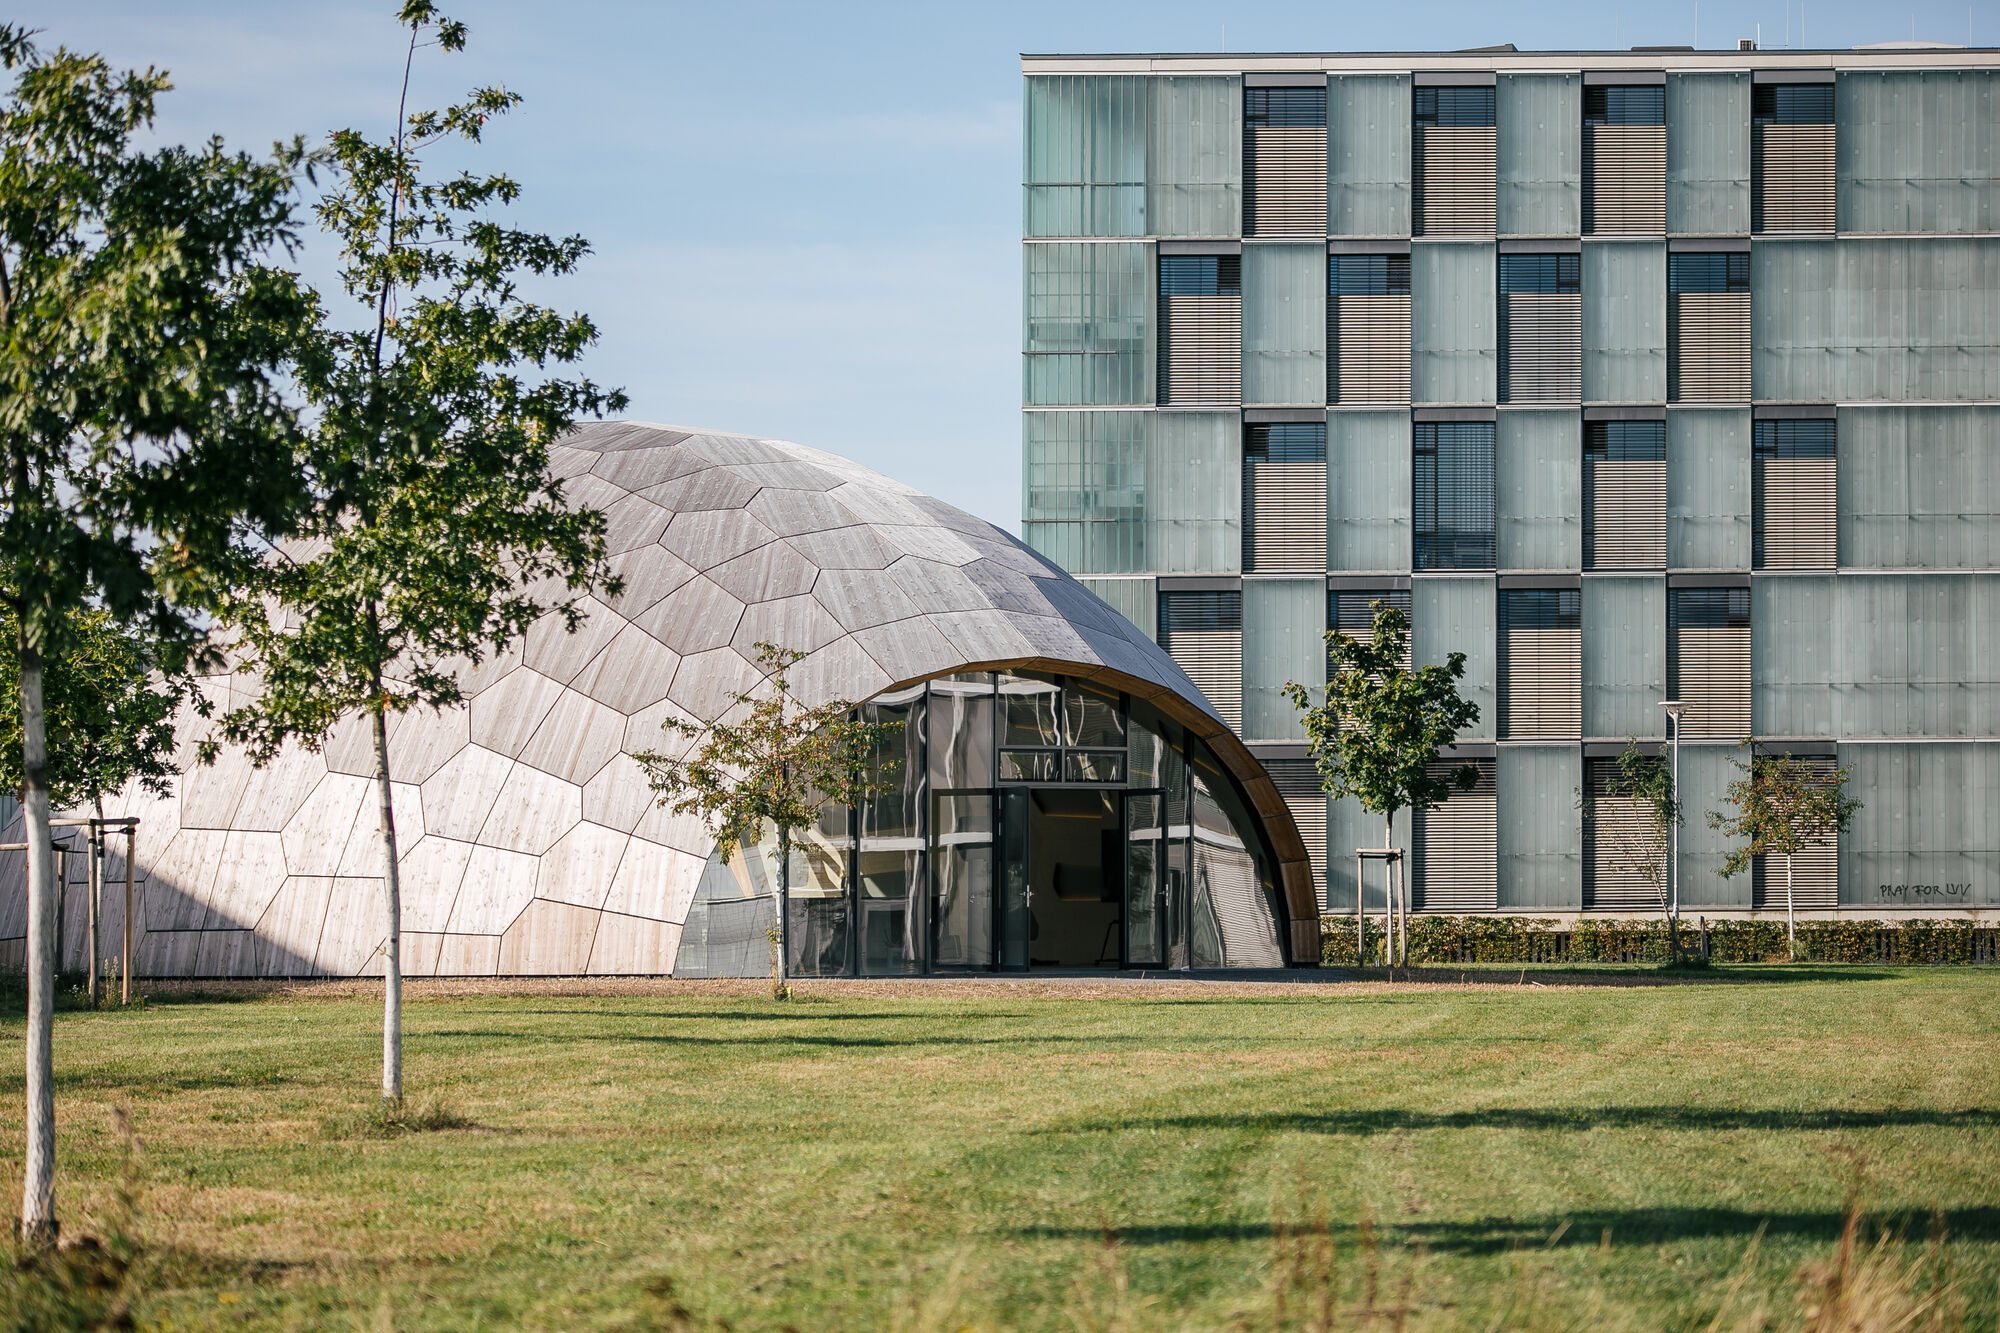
[[1145, 750], [1030, 711], [1029, 766], [1091, 718], [1016, 918], [1094, 766], [819, 937], [1233, 918], [1143, 840], [962, 862], [890, 919], [961, 732]]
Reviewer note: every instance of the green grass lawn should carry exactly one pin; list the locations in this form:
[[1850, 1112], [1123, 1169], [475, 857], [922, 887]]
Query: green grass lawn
[[1549, 1155]]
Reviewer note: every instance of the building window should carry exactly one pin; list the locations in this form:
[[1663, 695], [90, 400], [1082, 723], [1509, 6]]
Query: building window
[[1541, 328], [1625, 495], [1625, 852], [1793, 486], [1201, 329], [1452, 491], [1625, 159], [1541, 663], [1284, 498], [1456, 845], [1815, 881], [1202, 630], [1298, 782], [1284, 161], [1792, 157], [1352, 612], [1708, 649], [1708, 299], [1453, 161], [1368, 329]]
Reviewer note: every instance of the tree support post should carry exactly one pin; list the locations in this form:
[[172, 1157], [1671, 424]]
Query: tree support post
[[125, 954], [93, 885]]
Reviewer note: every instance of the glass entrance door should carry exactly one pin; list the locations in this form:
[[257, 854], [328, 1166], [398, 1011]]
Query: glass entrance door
[[1015, 920], [1145, 879]]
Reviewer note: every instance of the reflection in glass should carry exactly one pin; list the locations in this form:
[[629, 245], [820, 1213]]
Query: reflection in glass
[[1030, 711], [1143, 839], [1233, 923], [1094, 766], [961, 731], [886, 878], [1090, 718], [894, 764], [1030, 766], [962, 861]]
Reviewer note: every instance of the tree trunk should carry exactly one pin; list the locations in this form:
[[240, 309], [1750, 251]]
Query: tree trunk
[[1791, 926], [38, 1182], [1389, 891], [94, 946], [783, 988], [392, 898]]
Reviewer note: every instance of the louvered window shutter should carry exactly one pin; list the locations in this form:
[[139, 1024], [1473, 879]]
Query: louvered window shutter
[[1794, 494], [1284, 498], [1453, 161], [1815, 867], [1298, 782], [1284, 161], [1541, 663], [1625, 160], [1456, 845], [1541, 329], [1203, 632], [1624, 851], [1368, 329], [1625, 494], [1709, 646], [1201, 329], [1452, 492], [1352, 612], [1708, 298], [1792, 157]]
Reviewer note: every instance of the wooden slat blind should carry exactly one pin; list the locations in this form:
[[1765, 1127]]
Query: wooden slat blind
[[1708, 632], [1457, 846], [1708, 327], [1541, 348], [1792, 157], [1815, 869], [1624, 852], [1201, 329], [1368, 329], [1284, 498], [1625, 495], [1794, 495], [1352, 612], [1203, 633], [1625, 179], [1454, 171], [1298, 782], [1541, 663], [1284, 161]]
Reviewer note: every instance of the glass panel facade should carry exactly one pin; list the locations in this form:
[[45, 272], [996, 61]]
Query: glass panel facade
[[1283, 641], [1004, 836], [1863, 318], [1708, 154], [1083, 501], [1368, 155], [1539, 490], [1540, 827], [1089, 309], [1917, 150], [1284, 324], [1368, 499], [1706, 772], [1708, 488], [1540, 163], [1451, 483], [1196, 172], [1928, 832], [1624, 322], [1454, 356], [1085, 144], [1459, 615], [1624, 657], [1194, 511], [1919, 487]]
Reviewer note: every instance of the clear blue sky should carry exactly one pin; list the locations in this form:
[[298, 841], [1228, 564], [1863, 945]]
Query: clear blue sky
[[807, 216]]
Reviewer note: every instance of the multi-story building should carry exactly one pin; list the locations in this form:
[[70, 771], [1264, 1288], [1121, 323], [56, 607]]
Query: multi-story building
[[1634, 376]]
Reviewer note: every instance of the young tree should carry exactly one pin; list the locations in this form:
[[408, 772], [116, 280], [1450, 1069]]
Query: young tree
[[1647, 781], [112, 714], [770, 761], [436, 533], [141, 335], [1380, 724], [1782, 803]]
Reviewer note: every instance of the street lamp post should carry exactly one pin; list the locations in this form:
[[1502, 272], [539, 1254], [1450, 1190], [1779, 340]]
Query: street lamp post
[[1674, 709]]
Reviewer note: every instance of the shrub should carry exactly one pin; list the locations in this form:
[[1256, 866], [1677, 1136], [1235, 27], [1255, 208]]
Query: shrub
[[1515, 939]]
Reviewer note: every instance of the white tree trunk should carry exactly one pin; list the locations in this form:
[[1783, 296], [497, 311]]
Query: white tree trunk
[[1389, 892], [95, 945], [1791, 925], [784, 911], [38, 1182], [392, 945]]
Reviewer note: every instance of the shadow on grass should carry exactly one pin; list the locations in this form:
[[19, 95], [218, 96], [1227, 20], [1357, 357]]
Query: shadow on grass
[[1573, 1118], [1527, 975], [1589, 1228]]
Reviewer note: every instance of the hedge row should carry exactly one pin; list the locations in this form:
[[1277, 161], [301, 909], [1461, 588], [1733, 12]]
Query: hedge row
[[1513, 939]]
